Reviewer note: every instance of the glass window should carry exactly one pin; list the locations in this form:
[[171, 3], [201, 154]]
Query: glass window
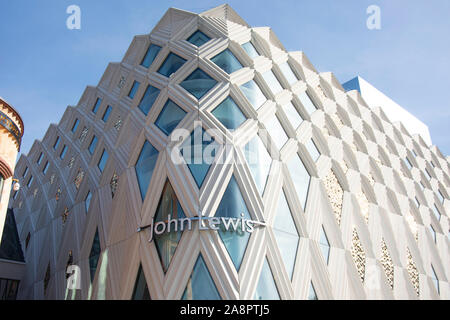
[[144, 167], [63, 152], [150, 56], [30, 181], [288, 73], [286, 234], [199, 151], [103, 159], [433, 232], [149, 98], [422, 186], [324, 245], [140, 291], [46, 278], [45, 168], [198, 38], [408, 163], [300, 178], [227, 61], [229, 114], [27, 240], [436, 212], [200, 285], [276, 131], [55, 145], [312, 292], [169, 118], [106, 114], [435, 279], [134, 89], [9, 289], [307, 102], [231, 206], [272, 82], [253, 93], [259, 162], [92, 145], [312, 149], [250, 49], [172, 63], [293, 115], [25, 172], [87, 201], [169, 208], [440, 196], [266, 289], [417, 202], [198, 83], [75, 125], [41, 155], [94, 255], [428, 174], [98, 102]]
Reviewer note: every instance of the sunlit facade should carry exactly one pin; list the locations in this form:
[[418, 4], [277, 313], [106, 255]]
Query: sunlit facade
[[12, 264], [310, 194]]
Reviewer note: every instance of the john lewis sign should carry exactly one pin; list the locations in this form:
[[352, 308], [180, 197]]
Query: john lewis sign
[[203, 223]]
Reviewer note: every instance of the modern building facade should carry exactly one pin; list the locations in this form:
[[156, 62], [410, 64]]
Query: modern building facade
[[12, 264], [375, 98], [301, 191]]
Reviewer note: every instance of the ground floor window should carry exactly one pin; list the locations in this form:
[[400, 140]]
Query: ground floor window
[[8, 289]]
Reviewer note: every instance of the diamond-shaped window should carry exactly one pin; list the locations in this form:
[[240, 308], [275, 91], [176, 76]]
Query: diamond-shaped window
[[312, 292], [134, 89], [169, 208], [276, 131], [170, 116], [151, 54], [233, 205], [140, 291], [293, 115], [312, 149], [227, 61], [94, 255], [300, 178], [286, 234], [435, 279], [229, 114], [324, 245], [198, 83], [272, 82], [266, 289], [172, 63], [87, 201], [250, 49], [199, 151], [198, 38], [200, 285], [253, 93], [436, 212], [288, 73], [259, 161], [307, 102], [149, 98], [144, 167]]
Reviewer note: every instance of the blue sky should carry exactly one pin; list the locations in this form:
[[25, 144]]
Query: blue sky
[[45, 67]]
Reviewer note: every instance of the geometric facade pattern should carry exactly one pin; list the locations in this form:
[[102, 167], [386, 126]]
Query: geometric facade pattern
[[335, 197]]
